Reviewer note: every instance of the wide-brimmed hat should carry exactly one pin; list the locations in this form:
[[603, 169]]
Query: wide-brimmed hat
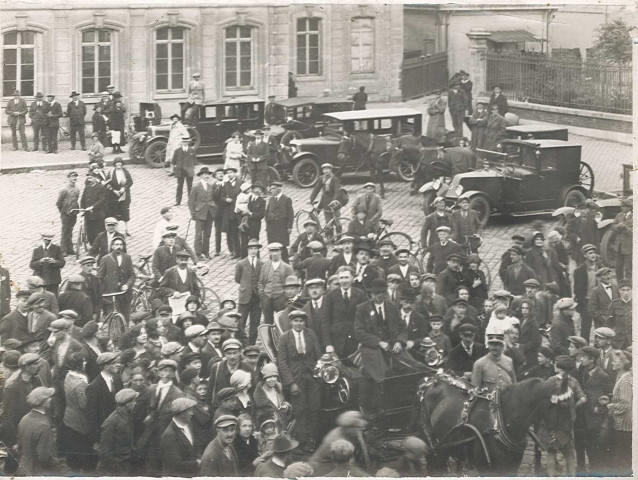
[[203, 171], [283, 443], [378, 285]]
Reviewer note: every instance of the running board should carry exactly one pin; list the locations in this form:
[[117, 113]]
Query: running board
[[528, 214]]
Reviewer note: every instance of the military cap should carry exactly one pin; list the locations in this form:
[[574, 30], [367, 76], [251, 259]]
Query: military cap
[[496, 338], [87, 260], [225, 421], [566, 303], [394, 276], [283, 443], [518, 250], [590, 351], [28, 359], [251, 350], [604, 332], [182, 404], [378, 285], [167, 363], [125, 395], [369, 184], [10, 359], [315, 281], [171, 348], [587, 248], [214, 327], [68, 314], [106, 358], [297, 314], [577, 341], [164, 309], [275, 246], [253, 243], [230, 344], [467, 328], [228, 322], [269, 370], [444, 228], [565, 362], [195, 331], [39, 395], [35, 298], [60, 324], [292, 281], [315, 245], [225, 394], [75, 278], [29, 338], [454, 256], [531, 282], [326, 165]]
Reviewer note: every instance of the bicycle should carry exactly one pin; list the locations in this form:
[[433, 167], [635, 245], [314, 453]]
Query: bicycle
[[331, 231], [209, 300], [114, 325], [81, 240], [271, 172]]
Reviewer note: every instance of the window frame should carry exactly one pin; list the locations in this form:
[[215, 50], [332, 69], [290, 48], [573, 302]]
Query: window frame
[[354, 29], [254, 32], [37, 60], [185, 42], [113, 54], [307, 34]]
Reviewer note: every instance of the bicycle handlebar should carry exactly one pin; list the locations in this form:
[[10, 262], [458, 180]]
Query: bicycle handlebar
[[113, 294]]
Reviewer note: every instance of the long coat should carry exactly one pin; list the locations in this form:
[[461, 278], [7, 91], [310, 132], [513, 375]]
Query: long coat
[[178, 454], [48, 272], [530, 340], [436, 122], [215, 463], [116, 445], [279, 218], [540, 260], [15, 405], [36, 445], [100, 403], [94, 196]]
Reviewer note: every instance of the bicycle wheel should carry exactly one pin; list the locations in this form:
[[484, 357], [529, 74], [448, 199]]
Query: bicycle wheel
[[140, 302], [210, 301], [302, 217], [336, 229], [414, 261], [400, 239], [486, 270], [116, 327]]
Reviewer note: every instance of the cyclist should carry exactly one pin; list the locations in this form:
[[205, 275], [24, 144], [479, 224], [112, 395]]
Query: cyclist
[[328, 185], [466, 227]]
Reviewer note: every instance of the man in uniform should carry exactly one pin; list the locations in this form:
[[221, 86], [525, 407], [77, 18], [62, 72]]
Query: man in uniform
[[47, 261], [116, 440], [38, 115], [279, 218], [91, 285], [441, 250], [68, 200], [17, 112], [36, 442], [494, 370], [53, 123], [76, 111]]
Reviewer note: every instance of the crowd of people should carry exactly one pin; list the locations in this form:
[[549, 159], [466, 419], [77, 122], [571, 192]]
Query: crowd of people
[[188, 391]]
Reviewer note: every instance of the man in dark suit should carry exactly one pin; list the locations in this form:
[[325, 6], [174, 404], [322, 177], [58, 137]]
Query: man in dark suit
[[76, 111], [100, 393], [258, 152], [584, 281], [184, 168], [17, 117], [53, 123], [298, 354], [220, 372], [73, 298], [279, 218], [256, 213], [203, 209], [438, 218], [449, 279], [165, 256], [462, 357], [345, 257], [220, 458], [506, 259], [116, 441], [363, 271], [439, 251], [416, 326], [403, 268], [328, 185], [180, 278], [517, 273], [457, 104], [601, 296], [247, 276], [465, 222], [230, 219], [93, 199], [47, 261], [341, 304], [178, 446], [91, 285], [316, 308], [466, 86], [101, 246], [497, 98], [117, 275], [530, 339], [38, 115]]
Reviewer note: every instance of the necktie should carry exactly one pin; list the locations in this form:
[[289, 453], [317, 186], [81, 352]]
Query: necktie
[[345, 296], [300, 345], [252, 263], [380, 311], [316, 305]]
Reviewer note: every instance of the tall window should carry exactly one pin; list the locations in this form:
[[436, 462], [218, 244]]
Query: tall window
[[238, 57], [362, 45], [169, 58], [18, 71], [308, 51], [96, 60]]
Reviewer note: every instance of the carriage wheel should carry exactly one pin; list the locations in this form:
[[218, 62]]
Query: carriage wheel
[[482, 208], [273, 176], [400, 239], [607, 250], [586, 177], [116, 328], [136, 151], [405, 168]]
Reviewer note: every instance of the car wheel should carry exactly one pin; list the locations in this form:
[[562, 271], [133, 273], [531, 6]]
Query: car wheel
[[586, 177], [428, 198], [607, 250], [306, 172], [405, 169], [136, 151], [481, 206], [196, 138], [574, 198], [155, 154]]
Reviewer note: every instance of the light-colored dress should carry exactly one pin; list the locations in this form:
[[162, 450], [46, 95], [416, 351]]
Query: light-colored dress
[[178, 130], [436, 123], [232, 157]]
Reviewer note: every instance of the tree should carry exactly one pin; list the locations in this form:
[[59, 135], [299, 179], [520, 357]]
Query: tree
[[614, 42]]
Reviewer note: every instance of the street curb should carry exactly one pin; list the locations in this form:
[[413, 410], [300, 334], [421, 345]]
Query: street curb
[[52, 167]]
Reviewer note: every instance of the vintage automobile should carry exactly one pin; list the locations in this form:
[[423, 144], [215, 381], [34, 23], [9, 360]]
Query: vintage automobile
[[609, 206], [397, 125], [537, 131], [150, 115], [527, 177], [217, 122]]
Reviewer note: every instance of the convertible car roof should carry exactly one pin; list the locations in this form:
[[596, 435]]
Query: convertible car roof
[[374, 113]]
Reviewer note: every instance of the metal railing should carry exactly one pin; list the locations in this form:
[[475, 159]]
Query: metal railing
[[423, 74], [536, 78]]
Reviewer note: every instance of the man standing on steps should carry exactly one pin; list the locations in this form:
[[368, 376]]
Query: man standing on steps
[[53, 123], [38, 115], [17, 112], [76, 111]]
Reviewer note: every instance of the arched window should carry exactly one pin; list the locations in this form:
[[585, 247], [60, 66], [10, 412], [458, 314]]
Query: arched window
[[19, 63], [362, 45], [97, 64], [170, 51], [239, 57], [308, 46]]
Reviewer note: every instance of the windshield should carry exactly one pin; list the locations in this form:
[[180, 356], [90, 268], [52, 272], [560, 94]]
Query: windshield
[[525, 157]]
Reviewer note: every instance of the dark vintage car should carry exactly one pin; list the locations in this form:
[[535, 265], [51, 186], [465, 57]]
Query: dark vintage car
[[396, 125], [524, 178], [537, 131], [217, 122]]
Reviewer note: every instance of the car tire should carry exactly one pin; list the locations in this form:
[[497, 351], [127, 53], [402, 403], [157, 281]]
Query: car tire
[[404, 169], [586, 177], [196, 138], [136, 151], [482, 207], [155, 154], [607, 250], [306, 172], [573, 198]]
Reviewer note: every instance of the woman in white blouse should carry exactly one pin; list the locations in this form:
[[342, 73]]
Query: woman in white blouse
[[234, 152]]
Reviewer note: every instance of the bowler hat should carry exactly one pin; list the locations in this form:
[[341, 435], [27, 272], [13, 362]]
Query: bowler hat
[[39, 95], [203, 171], [378, 285], [283, 443]]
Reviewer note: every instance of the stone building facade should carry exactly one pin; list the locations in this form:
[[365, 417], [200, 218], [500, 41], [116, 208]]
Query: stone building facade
[[149, 50]]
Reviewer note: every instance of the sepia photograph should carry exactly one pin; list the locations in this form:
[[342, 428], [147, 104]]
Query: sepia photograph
[[277, 238]]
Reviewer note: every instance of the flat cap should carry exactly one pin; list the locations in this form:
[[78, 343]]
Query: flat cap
[[164, 309], [588, 248], [444, 228], [604, 332], [229, 322], [590, 351], [577, 341], [60, 324], [68, 314], [75, 278], [315, 245], [231, 343], [225, 421], [106, 358], [625, 282], [297, 314], [502, 294], [326, 165], [35, 298], [370, 184], [532, 282], [171, 348], [315, 281], [23, 293], [518, 250], [169, 233], [28, 359], [496, 338], [214, 327], [183, 253], [565, 362], [191, 356], [110, 221], [454, 256], [10, 358], [164, 363], [89, 329], [180, 405], [47, 234], [429, 276], [603, 271], [251, 350], [188, 374], [225, 394], [125, 395], [393, 276], [566, 303], [195, 331], [87, 260], [309, 222], [39, 395], [275, 246], [292, 281], [35, 281]]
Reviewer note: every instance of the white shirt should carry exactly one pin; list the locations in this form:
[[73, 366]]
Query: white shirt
[[182, 274], [162, 390], [205, 184], [406, 317], [317, 303], [300, 342], [347, 293], [185, 428], [380, 310], [404, 269], [275, 266], [121, 178], [109, 239], [347, 257], [108, 378], [119, 259]]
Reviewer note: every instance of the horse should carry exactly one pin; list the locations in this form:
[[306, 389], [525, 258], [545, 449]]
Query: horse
[[458, 420]]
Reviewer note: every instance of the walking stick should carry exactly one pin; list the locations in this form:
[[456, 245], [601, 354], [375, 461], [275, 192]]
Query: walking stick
[[188, 227]]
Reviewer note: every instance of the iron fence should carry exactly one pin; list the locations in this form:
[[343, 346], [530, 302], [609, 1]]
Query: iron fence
[[423, 74], [562, 82]]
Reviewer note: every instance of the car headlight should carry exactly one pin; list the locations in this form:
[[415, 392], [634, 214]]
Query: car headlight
[[436, 184], [330, 374], [598, 218], [458, 190]]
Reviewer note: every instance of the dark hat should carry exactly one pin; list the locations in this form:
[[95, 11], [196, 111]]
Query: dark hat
[[29, 338], [378, 285], [459, 301], [518, 250], [225, 421], [117, 94], [118, 160], [387, 241], [283, 443], [625, 282], [258, 185], [89, 329], [297, 314], [74, 94], [435, 318], [587, 248], [454, 256], [39, 95], [188, 374], [225, 394], [203, 170], [253, 243], [164, 309], [409, 294], [463, 72], [546, 352], [565, 362], [72, 174], [10, 358], [258, 132], [23, 293], [251, 351], [467, 328], [603, 271], [183, 317], [183, 253], [532, 282], [552, 287], [590, 351], [230, 169], [473, 258], [518, 237], [402, 250], [218, 170]]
